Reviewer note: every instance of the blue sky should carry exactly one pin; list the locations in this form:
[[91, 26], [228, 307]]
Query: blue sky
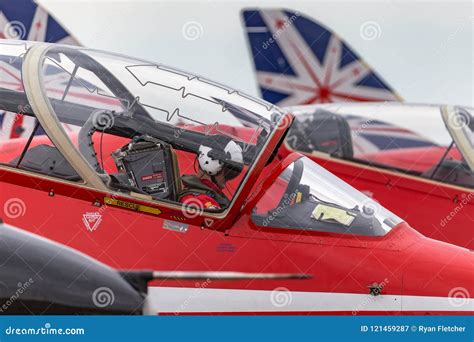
[[424, 50]]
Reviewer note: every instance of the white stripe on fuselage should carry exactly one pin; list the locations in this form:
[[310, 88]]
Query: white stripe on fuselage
[[174, 300]]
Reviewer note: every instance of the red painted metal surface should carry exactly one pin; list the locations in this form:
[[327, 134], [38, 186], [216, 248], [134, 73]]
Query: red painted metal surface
[[404, 259]]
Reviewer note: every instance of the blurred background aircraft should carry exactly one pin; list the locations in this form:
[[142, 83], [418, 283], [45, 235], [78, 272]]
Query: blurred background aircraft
[[421, 56], [425, 59]]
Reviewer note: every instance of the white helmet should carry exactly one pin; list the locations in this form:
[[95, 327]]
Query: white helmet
[[220, 153]]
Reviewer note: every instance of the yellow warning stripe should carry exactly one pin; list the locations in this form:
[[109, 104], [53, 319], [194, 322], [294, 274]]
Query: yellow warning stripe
[[132, 206]]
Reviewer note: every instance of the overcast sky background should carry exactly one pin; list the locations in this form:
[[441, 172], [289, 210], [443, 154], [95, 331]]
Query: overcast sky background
[[424, 50]]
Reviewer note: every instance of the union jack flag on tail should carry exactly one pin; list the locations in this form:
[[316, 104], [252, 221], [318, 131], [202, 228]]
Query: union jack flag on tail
[[298, 61], [371, 136], [24, 20]]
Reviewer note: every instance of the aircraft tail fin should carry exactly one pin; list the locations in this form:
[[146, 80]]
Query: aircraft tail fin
[[299, 61], [25, 20]]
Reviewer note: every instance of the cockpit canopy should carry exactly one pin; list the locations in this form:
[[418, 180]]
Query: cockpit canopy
[[138, 129], [435, 142], [307, 197], [133, 125]]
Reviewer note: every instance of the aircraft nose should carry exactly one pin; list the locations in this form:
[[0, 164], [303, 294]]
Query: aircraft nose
[[444, 284]]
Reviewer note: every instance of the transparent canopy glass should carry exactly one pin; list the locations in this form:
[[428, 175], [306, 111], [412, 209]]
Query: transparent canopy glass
[[102, 103], [307, 197], [413, 139]]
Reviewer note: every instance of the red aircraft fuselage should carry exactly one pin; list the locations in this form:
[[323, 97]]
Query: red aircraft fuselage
[[436, 209], [402, 272]]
